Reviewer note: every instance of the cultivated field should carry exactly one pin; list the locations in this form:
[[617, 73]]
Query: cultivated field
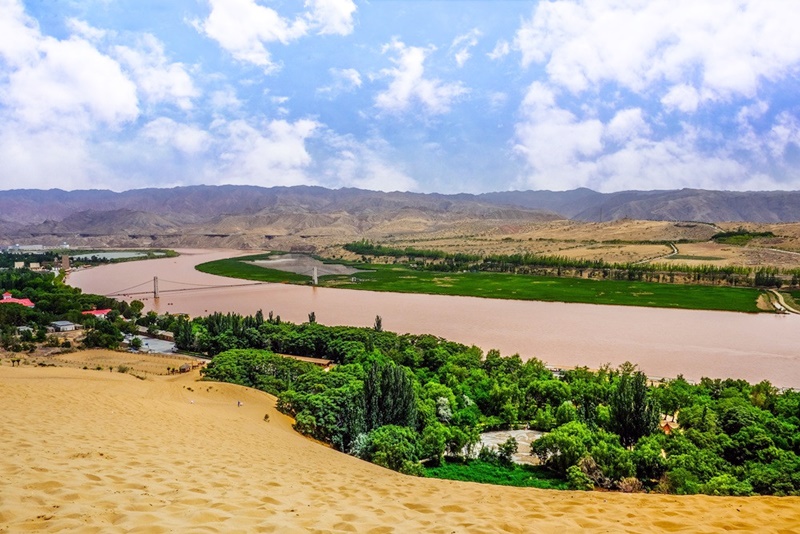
[[614, 242]]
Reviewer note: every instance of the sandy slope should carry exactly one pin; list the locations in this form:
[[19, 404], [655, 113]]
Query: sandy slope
[[91, 451]]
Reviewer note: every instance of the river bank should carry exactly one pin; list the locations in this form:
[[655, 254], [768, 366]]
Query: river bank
[[662, 342]]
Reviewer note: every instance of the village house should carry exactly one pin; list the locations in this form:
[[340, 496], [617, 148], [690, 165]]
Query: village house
[[100, 314], [63, 326], [8, 299]]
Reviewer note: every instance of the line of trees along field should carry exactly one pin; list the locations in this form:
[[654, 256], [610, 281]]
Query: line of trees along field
[[554, 265], [411, 402]]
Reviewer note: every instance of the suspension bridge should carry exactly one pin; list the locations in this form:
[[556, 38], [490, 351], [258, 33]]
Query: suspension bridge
[[156, 292]]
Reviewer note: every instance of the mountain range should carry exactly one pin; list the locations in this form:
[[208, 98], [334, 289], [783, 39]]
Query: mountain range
[[279, 211]]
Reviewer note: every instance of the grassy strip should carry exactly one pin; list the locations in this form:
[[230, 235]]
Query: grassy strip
[[550, 289], [239, 268], [525, 476], [401, 279], [792, 298]]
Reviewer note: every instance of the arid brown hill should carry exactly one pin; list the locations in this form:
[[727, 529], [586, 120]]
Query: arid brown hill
[[310, 210], [233, 215], [682, 205]]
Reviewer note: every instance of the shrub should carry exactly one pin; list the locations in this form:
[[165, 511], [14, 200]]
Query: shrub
[[578, 480], [682, 482], [507, 450], [726, 485], [360, 446], [392, 446], [305, 423], [412, 468], [630, 485], [487, 454], [123, 368]]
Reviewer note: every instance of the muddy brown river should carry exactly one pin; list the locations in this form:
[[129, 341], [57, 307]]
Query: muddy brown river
[[663, 342]]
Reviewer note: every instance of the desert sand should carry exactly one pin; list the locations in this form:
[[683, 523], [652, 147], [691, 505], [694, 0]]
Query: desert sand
[[93, 451]]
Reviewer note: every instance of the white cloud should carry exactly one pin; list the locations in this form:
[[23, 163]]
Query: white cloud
[[726, 48], [272, 155], [784, 132], [55, 96], [332, 17], [225, 99], [46, 159], [463, 44], [497, 100], [408, 84], [243, 27], [564, 151], [555, 143], [500, 50], [83, 29], [666, 164], [19, 34], [70, 84], [183, 137], [342, 81], [627, 124], [683, 97], [365, 165], [157, 79]]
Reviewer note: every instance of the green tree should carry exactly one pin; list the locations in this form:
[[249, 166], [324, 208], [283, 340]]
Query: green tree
[[507, 450], [564, 446], [634, 413], [389, 396], [648, 458], [392, 446]]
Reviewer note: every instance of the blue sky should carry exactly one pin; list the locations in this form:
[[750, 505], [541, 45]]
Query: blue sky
[[444, 96]]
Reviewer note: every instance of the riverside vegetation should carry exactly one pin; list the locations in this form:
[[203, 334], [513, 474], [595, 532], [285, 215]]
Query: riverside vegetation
[[417, 404]]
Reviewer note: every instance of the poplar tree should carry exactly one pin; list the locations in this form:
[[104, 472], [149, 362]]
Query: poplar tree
[[634, 413]]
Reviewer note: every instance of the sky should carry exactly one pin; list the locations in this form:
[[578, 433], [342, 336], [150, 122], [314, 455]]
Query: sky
[[415, 95]]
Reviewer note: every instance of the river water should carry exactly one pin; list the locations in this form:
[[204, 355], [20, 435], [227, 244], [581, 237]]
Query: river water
[[663, 342]]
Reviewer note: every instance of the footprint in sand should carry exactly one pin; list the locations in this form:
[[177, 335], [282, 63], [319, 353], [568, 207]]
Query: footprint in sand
[[453, 508], [50, 487], [421, 508]]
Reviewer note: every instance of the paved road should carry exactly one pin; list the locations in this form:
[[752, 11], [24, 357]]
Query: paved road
[[783, 302]]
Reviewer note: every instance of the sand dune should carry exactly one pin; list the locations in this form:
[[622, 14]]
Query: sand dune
[[92, 451]]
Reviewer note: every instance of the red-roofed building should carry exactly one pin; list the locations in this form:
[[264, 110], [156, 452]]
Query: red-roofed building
[[8, 299], [100, 314]]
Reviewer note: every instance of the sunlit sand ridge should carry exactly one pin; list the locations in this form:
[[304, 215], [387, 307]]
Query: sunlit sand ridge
[[94, 451]]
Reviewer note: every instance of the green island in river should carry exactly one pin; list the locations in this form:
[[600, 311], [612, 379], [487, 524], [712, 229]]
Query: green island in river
[[403, 278]]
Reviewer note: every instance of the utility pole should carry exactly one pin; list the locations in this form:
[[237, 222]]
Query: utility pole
[[155, 287]]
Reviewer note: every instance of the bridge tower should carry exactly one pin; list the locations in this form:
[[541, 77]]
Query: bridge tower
[[155, 287]]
